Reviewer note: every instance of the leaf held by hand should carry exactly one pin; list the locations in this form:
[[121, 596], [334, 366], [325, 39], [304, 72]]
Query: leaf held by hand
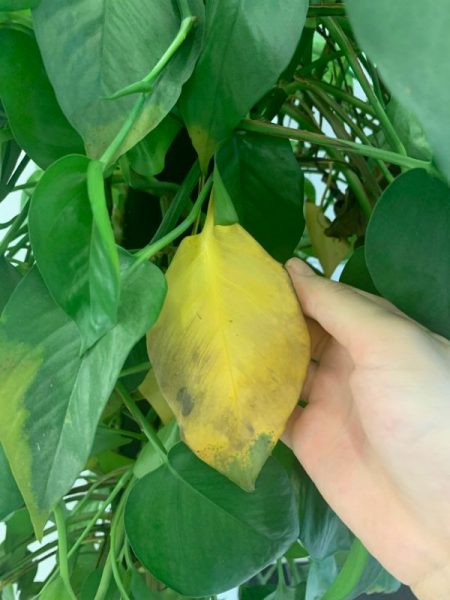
[[230, 349]]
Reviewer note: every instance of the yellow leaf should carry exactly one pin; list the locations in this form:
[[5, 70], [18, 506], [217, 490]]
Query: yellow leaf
[[149, 388], [330, 251], [230, 349]]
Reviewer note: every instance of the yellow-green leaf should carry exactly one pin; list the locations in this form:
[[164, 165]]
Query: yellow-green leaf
[[149, 388], [330, 251], [230, 349]]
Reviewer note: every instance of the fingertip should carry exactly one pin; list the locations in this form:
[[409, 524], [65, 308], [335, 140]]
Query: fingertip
[[298, 267]]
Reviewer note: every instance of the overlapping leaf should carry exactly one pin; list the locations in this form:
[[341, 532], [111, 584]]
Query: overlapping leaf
[[51, 397], [247, 46], [34, 115], [265, 184], [396, 36], [236, 534], [408, 245], [230, 349], [74, 245], [100, 52]]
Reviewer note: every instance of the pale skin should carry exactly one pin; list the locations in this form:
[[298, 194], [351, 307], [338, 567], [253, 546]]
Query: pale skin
[[375, 434]]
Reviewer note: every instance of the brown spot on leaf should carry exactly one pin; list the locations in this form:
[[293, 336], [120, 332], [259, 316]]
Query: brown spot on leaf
[[186, 401]]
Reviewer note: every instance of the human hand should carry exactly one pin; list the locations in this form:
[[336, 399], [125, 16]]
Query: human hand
[[375, 435]]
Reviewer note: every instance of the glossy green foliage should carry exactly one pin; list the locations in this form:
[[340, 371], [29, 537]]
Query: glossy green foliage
[[259, 172], [236, 534], [329, 543], [356, 273], [18, 4], [247, 46], [34, 115], [61, 394], [10, 497], [74, 246], [412, 66], [408, 245], [9, 278], [93, 62], [148, 157]]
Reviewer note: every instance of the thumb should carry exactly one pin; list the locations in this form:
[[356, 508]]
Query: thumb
[[348, 316]]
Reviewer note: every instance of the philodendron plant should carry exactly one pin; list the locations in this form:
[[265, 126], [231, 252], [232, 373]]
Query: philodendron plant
[[170, 156]]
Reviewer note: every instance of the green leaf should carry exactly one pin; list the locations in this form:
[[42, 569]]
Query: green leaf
[[34, 115], [10, 497], [260, 173], [329, 541], [234, 534], [256, 592], [57, 590], [9, 278], [356, 273], [91, 584], [74, 245], [406, 268], [148, 157], [18, 4], [51, 398], [248, 44], [102, 51], [396, 36]]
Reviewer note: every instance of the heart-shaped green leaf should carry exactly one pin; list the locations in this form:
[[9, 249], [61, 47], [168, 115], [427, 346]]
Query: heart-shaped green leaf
[[408, 248], [234, 534]]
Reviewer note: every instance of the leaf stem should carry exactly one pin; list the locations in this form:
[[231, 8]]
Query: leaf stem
[[150, 433], [350, 573], [329, 142], [114, 148], [145, 366], [13, 230], [153, 248], [340, 38], [179, 202], [62, 548]]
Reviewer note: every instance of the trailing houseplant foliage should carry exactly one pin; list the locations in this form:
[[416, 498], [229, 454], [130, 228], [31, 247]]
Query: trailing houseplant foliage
[[308, 128]]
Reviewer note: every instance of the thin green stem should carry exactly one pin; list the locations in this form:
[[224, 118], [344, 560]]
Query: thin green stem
[[145, 366], [155, 247], [113, 149], [14, 229], [144, 87], [340, 38], [350, 573], [62, 548], [6, 189], [150, 433], [326, 10], [328, 142], [313, 85], [117, 536], [119, 485], [179, 202]]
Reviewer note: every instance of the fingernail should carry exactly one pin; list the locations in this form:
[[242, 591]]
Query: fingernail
[[297, 266]]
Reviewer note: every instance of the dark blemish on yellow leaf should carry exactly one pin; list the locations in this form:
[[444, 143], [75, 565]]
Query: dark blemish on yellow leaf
[[186, 401], [249, 427]]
